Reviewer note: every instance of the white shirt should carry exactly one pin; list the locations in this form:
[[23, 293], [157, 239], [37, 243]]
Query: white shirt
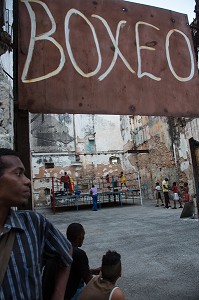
[[94, 190], [158, 188]]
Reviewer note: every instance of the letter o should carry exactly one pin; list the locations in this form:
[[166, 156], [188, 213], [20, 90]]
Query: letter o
[[67, 18], [183, 79]]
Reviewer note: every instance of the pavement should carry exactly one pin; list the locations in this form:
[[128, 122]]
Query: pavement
[[159, 250]]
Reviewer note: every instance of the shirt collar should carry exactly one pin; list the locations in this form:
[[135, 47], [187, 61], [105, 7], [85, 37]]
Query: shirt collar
[[13, 221]]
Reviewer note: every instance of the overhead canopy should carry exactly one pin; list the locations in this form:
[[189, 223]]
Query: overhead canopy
[[105, 57]]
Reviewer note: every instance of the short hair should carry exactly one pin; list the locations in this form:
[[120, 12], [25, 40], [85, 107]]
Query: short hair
[[111, 265], [5, 152], [73, 231]]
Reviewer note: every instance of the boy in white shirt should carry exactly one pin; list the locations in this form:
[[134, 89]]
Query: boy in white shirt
[[158, 194]]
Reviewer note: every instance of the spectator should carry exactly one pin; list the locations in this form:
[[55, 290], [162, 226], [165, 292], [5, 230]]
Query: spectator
[[93, 193], [158, 196], [107, 178], [102, 287], [80, 272], [186, 192], [26, 237], [176, 196], [165, 189]]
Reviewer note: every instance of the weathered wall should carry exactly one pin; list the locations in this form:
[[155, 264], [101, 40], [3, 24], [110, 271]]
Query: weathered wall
[[6, 86], [82, 145], [167, 140], [6, 111]]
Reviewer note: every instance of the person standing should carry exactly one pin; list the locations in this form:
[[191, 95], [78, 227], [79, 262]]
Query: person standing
[[176, 196], [107, 178], [165, 189], [123, 179], [66, 181], [71, 185], [186, 192], [158, 194], [93, 193], [103, 287], [26, 238]]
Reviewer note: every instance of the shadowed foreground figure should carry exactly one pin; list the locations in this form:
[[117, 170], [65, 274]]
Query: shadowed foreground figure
[[102, 287], [26, 237], [80, 272]]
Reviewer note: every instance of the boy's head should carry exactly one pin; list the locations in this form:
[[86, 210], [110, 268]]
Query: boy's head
[[111, 266], [75, 234]]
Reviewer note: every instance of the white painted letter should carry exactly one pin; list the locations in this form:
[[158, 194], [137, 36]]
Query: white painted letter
[[115, 44], [183, 79], [140, 74], [67, 31], [44, 36]]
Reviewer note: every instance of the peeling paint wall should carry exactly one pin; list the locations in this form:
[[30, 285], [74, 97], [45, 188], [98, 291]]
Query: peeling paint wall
[[167, 140], [6, 112], [82, 145], [6, 87]]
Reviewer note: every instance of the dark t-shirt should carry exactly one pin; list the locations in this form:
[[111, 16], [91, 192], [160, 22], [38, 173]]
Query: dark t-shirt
[[79, 270]]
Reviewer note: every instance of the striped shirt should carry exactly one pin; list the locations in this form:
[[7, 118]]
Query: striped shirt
[[36, 239]]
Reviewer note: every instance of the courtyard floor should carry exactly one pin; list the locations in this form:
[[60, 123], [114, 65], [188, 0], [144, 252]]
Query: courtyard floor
[[159, 250]]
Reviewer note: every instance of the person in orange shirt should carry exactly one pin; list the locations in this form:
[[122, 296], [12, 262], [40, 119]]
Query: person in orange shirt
[[123, 179]]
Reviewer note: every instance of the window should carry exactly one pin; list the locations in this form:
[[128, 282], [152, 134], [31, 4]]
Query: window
[[114, 160], [49, 165]]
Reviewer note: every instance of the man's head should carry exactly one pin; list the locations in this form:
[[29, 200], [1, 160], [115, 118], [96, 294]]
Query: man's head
[[166, 179], [75, 234], [111, 266], [14, 185]]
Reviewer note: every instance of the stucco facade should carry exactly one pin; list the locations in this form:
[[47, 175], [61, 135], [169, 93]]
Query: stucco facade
[[88, 147], [167, 140]]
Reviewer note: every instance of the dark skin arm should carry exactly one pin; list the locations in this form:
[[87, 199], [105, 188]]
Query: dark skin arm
[[118, 295], [88, 277], [96, 271], [62, 276], [60, 284]]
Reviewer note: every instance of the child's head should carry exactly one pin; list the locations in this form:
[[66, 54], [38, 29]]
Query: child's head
[[157, 183], [174, 183]]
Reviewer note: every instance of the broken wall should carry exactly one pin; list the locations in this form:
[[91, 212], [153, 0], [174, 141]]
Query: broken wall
[[6, 112], [86, 146], [167, 140]]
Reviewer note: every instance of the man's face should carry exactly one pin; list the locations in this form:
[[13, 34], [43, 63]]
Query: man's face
[[14, 185], [81, 238]]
